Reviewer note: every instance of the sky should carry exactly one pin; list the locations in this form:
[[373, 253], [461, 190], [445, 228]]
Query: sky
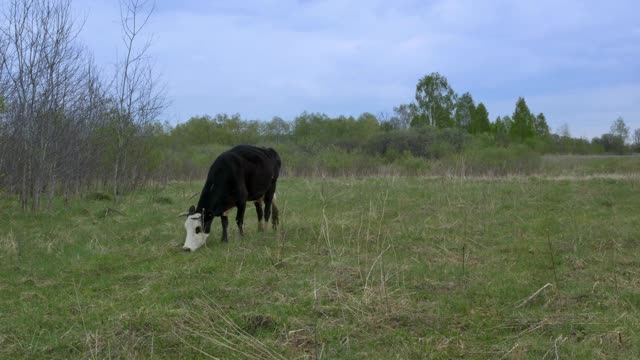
[[578, 62]]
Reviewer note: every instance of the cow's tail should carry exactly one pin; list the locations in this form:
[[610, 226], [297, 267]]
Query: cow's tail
[[275, 214]]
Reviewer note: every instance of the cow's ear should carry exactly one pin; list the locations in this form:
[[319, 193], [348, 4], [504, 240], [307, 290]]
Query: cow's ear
[[192, 210]]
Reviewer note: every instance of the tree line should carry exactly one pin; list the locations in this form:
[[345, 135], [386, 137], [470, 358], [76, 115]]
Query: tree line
[[437, 118], [402, 142]]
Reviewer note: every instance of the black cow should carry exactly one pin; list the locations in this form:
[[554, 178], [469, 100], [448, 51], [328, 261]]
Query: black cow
[[244, 173]]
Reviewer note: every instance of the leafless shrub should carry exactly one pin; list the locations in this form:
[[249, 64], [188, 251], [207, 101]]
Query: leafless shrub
[[56, 112]]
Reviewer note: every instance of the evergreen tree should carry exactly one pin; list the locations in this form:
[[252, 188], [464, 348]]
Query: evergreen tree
[[523, 122], [480, 120], [541, 127]]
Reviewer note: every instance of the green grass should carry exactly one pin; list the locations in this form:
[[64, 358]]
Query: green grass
[[359, 269], [590, 165]]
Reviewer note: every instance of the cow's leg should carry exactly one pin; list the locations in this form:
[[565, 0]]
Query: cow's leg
[[258, 205], [225, 223], [275, 217], [241, 205], [268, 203]]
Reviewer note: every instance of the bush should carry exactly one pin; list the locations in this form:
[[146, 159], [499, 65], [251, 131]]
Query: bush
[[612, 144], [412, 165], [498, 161], [99, 196], [336, 161], [399, 141], [427, 142]]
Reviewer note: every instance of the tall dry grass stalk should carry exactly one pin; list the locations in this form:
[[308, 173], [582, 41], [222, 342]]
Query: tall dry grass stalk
[[553, 261], [9, 243], [315, 319], [212, 326]]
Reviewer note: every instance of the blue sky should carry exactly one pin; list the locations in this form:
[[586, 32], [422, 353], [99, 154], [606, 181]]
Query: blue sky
[[576, 61]]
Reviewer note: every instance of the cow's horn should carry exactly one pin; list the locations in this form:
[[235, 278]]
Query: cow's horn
[[183, 214]]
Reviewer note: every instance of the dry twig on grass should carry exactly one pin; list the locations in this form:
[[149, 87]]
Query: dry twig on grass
[[556, 347], [534, 295], [192, 196], [510, 351]]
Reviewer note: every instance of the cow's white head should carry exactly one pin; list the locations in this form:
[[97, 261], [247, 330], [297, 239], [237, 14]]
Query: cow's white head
[[196, 237]]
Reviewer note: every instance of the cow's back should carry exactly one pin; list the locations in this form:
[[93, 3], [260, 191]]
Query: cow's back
[[254, 154], [260, 168]]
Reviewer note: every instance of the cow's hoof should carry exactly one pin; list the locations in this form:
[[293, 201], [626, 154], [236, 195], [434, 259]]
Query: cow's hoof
[[186, 248]]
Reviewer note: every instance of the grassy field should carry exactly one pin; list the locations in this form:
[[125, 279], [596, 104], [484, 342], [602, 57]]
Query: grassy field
[[590, 165], [383, 268]]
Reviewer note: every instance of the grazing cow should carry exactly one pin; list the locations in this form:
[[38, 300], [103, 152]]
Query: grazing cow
[[244, 173]]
